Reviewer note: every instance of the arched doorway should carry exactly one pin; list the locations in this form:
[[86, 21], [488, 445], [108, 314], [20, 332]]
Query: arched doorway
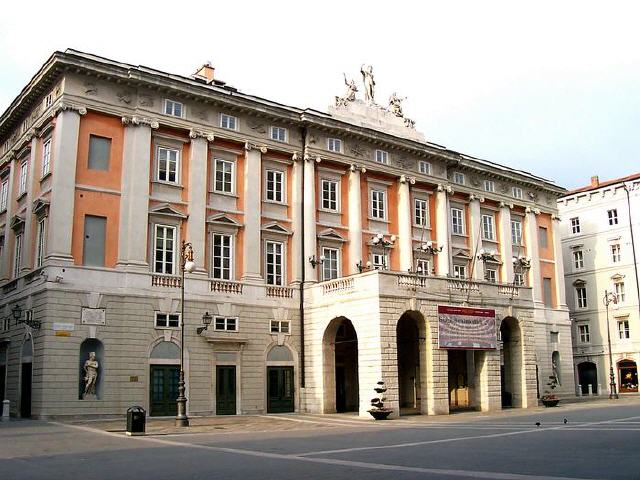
[[26, 376], [511, 363], [340, 352], [164, 376], [410, 330], [588, 375], [628, 376], [280, 382]]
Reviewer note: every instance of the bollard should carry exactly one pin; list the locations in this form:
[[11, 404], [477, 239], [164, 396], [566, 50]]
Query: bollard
[[590, 389], [578, 390], [5, 410], [599, 390]]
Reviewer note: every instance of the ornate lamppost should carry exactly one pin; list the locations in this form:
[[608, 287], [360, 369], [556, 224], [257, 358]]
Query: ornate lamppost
[[486, 256], [186, 265], [379, 240], [610, 297], [427, 248]]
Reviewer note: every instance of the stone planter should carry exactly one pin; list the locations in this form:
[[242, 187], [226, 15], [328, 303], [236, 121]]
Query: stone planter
[[550, 402], [380, 414]]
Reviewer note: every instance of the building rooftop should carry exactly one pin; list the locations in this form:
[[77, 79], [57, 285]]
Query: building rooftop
[[596, 183]]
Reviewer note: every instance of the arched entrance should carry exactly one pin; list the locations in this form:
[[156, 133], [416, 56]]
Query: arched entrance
[[410, 330], [588, 375], [280, 384], [340, 352], [511, 363], [628, 376], [164, 376]]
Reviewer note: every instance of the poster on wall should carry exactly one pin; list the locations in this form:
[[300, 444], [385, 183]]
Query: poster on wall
[[466, 328]]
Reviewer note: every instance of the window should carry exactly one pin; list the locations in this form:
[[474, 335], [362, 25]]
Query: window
[[4, 195], [424, 167], [173, 108], [487, 227], [623, 329], [583, 333], [275, 186], [613, 216], [330, 264], [167, 320], [330, 195], [578, 260], [164, 251], [94, 240], [40, 243], [228, 121], [17, 256], [489, 186], [457, 221], [223, 176], [379, 261], [22, 186], [48, 100], [581, 296], [99, 152], [543, 238], [517, 192], [280, 326], [222, 256], [516, 232], [274, 260], [619, 289], [279, 134], [382, 157], [168, 164], [546, 292], [420, 212], [575, 225], [458, 178], [518, 279], [423, 267], [334, 145], [460, 271], [46, 157], [378, 204], [491, 275], [554, 338], [615, 253], [228, 324]]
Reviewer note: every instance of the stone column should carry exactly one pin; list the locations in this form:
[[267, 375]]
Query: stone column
[[559, 267], [442, 231], [475, 240], [506, 247], [252, 247], [533, 252], [63, 183], [198, 176], [296, 209], [134, 197], [405, 233], [27, 239], [310, 240], [5, 268], [355, 219]]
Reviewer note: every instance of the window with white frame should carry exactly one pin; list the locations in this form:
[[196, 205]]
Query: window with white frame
[[22, 185], [516, 232], [280, 326], [489, 186], [581, 297], [517, 193], [575, 225], [458, 177], [40, 242], [420, 209], [623, 329], [613, 216], [583, 333], [578, 260], [168, 159], [378, 207], [379, 261], [167, 320], [619, 289], [460, 271], [4, 195], [279, 134], [457, 221], [334, 145], [274, 259], [330, 270], [164, 250], [424, 167], [228, 121], [329, 195], [223, 175], [488, 231], [17, 256], [423, 267], [173, 108], [222, 256], [615, 253], [491, 275], [382, 157], [46, 157], [518, 279], [275, 186], [225, 324]]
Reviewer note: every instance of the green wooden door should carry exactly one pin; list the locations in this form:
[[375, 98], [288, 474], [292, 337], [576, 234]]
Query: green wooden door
[[280, 389], [225, 390], [164, 390]]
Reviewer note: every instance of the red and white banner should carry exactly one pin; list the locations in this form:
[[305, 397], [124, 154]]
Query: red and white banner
[[466, 328]]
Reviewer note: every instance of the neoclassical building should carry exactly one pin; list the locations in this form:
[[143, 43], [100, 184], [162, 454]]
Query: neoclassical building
[[332, 251]]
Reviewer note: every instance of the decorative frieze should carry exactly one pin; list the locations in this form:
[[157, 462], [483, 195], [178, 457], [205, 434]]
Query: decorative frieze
[[200, 134]]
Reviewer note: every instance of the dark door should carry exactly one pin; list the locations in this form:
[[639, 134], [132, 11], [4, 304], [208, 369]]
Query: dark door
[[280, 389], [164, 390], [226, 390], [588, 375], [341, 389], [3, 375], [25, 391]]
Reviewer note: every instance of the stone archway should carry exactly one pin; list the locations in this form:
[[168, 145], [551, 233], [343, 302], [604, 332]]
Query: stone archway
[[511, 364], [411, 344], [164, 372], [340, 367], [588, 378]]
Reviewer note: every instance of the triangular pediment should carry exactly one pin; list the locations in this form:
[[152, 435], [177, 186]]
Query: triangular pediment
[[331, 234], [167, 210], [461, 253], [17, 223], [617, 277], [40, 208], [275, 227], [223, 219]]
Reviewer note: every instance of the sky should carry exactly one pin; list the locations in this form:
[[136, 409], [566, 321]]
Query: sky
[[549, 87]]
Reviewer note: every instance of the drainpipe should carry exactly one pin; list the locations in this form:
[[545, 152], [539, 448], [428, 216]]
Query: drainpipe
[[633, 245], [303, 132]]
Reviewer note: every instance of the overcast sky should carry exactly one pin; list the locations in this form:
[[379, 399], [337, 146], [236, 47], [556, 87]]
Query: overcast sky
[[548, 87]]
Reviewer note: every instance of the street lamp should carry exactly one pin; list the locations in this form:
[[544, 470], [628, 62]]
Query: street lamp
[[206, 321], [610, 297], [487, 256], [379, 240], [186, 265], [361, 267]]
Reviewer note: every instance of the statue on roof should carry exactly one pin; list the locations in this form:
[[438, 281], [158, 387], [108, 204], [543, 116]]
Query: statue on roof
[[350, 94], [369, 83], [395, 104]]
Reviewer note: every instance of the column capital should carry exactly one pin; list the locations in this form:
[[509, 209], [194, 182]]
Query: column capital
[[407, 179], [473, 197], [135, 121], [193, 134], [248, 146], [555, 217], [535, 211], [63, 107], [309, 158], [506, 205], [355, 167], [446, 188], [295, 157]]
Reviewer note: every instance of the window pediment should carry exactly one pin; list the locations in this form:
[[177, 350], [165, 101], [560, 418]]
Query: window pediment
[[223, 219], [167, 210], [17, 223], [617, 277], [461, 253], [275, 227], [579, 283], [40, 208], [332, 235]]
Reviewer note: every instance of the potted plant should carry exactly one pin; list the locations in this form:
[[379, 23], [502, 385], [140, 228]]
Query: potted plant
[[378, 410], [550, 399]]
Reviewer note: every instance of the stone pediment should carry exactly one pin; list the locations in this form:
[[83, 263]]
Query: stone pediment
[[167, 210], [223, 219], [579, 283], [40, 208], [17, 223], [461, 253], [331, 234], [617, 277], [275, 227]]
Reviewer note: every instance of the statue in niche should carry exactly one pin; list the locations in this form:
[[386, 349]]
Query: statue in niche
[[395, 104], [90, 375], [369, 83], [350, 94]]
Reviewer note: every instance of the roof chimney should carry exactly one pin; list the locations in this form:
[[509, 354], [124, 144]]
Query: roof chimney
[[595, 181], [205, 72]]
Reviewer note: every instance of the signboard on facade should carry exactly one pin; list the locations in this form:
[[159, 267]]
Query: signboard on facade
[[466, 328], [93, 316], [63, 329]]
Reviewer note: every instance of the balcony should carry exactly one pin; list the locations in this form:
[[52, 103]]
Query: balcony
[[172, 281], [225, 286]]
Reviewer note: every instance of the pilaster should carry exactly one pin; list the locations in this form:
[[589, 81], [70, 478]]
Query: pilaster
[[296, 214], [506, 247], [310, 240], [475, 240], [559, 266], [404, 223], [198, 176], [5, 268], [533, 250], [252, 209], [442, 230], [27, 239], [355, 218]]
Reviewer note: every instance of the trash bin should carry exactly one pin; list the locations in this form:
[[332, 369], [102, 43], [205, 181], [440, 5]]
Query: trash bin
[[136, 420]]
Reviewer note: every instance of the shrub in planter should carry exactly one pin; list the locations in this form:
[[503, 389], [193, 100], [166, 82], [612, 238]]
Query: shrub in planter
[[550, 399]]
